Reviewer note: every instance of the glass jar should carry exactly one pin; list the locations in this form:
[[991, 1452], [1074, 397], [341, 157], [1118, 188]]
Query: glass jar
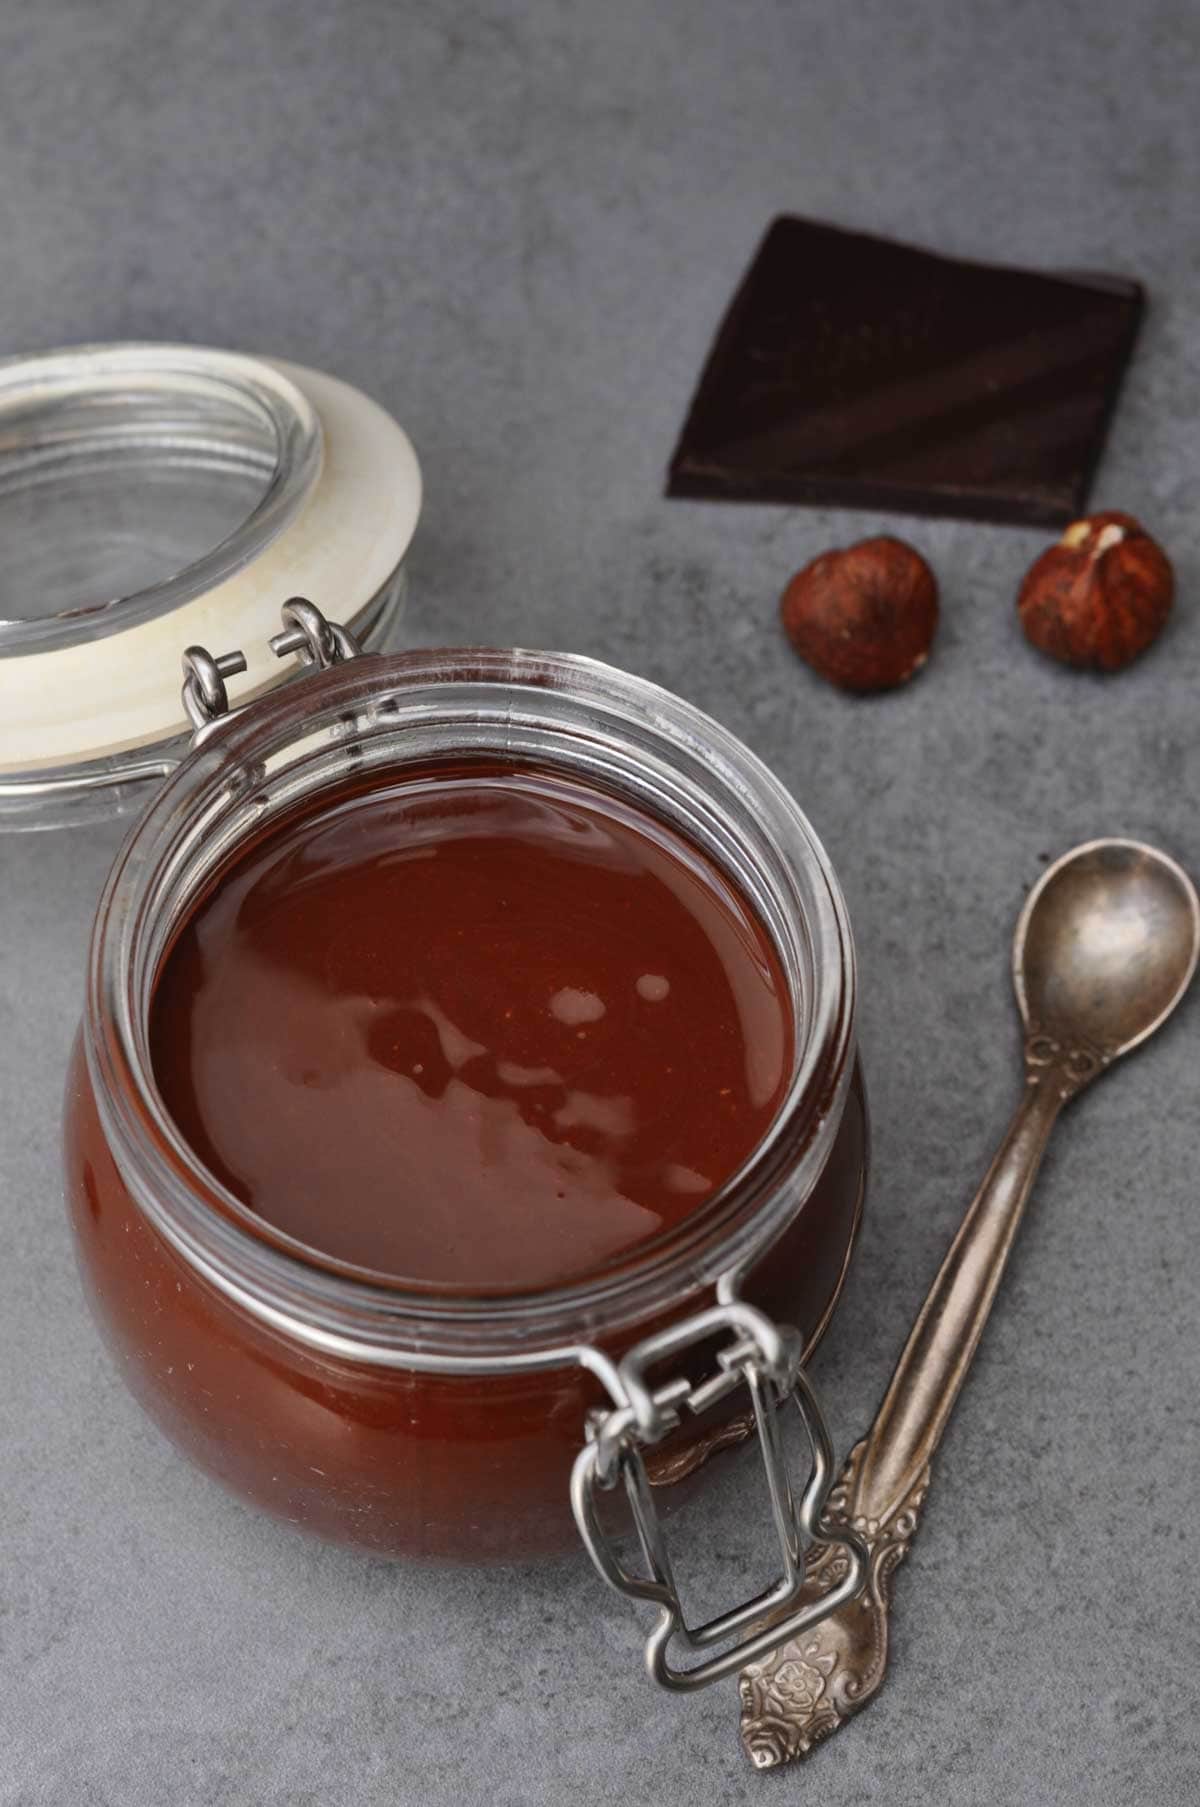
[[424, 1421]]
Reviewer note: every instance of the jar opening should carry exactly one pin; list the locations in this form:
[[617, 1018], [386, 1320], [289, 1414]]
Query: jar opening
[[472, 1023], [611, 731]]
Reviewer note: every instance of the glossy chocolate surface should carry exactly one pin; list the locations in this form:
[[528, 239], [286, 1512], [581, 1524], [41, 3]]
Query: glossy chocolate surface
[[482, 1027], [854, 371]]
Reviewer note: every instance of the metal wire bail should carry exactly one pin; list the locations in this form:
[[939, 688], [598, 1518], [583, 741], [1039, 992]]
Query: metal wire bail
[[766, 1358]]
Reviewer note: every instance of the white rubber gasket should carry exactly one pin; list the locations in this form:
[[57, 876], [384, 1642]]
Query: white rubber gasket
[[77, 703]]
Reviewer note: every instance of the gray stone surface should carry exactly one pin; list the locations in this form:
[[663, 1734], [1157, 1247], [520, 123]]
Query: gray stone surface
[[517, 225]]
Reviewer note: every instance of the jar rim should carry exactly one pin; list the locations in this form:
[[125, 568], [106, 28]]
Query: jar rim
[[291, 744]]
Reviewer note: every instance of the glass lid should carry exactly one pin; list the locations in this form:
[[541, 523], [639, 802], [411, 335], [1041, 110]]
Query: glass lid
[[155, 496]]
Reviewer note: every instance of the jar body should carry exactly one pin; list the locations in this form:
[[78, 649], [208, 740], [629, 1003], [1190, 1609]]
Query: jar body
[[420, 1421], [401, 1462]]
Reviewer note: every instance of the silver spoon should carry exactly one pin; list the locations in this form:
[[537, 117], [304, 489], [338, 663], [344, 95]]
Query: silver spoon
[[1104, 950]]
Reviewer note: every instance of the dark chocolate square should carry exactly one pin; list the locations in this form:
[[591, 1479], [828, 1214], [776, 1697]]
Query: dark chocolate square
[[854, 371]]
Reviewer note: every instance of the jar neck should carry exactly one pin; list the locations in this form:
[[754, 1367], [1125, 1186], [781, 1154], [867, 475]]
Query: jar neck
[[385, 715]]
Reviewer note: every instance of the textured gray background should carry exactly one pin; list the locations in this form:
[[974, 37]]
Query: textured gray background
[[517, 225]]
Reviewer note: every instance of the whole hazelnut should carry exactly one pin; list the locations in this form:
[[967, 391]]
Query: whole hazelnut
[[863, 617], [1100, 596]]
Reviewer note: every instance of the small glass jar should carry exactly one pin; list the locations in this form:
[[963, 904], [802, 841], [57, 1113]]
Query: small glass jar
[[423, 1421]]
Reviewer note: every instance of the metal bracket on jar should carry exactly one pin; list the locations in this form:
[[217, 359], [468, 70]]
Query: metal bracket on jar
[[319, 642], [766, 1358]]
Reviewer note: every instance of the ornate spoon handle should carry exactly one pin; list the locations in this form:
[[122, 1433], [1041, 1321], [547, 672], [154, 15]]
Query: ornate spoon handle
[[804, 1690]]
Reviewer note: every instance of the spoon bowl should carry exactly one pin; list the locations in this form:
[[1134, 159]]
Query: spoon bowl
[[1106, 946]]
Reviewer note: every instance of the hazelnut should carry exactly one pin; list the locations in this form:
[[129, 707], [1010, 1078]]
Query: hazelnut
[[1100, 596], [863, 617]]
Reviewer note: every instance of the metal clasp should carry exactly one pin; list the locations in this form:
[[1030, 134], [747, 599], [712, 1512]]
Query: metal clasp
[[319, 642], [766, 1358]]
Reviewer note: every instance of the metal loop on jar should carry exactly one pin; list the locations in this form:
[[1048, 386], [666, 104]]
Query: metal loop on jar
[[319, 641], [205, 697]]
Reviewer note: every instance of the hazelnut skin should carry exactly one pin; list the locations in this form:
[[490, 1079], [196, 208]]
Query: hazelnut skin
[[863, 617], [1100, 596]]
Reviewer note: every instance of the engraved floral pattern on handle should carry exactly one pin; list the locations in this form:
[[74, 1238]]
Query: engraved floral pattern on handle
[[803, 1691]]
